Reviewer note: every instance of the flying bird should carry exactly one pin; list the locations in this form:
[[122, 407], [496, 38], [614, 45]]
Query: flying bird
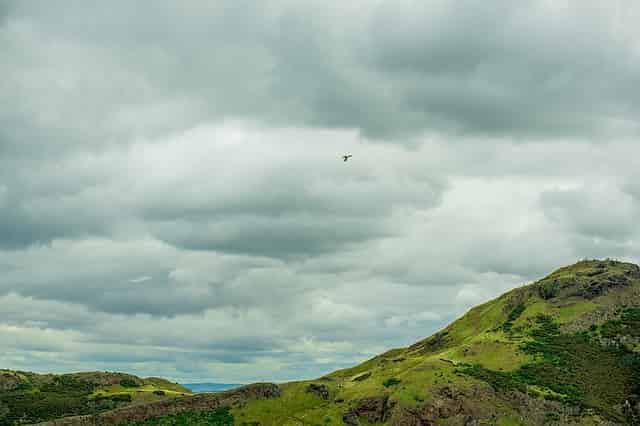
[[346, 157]]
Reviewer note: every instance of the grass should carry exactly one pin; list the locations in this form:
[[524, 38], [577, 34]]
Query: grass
[[218, 417]]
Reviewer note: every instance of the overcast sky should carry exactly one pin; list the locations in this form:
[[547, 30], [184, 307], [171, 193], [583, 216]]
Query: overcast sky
[[173, 201]]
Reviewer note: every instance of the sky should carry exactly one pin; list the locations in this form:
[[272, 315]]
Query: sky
[[173, 202]]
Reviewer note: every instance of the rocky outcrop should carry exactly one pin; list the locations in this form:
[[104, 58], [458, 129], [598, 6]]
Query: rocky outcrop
[[9, 382], [99, 378], [457, 406], [200, 402], [322, 391], [596, 278], [350, 418], [373, 410]]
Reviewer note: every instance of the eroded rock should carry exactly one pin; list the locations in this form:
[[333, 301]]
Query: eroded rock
[[9, 382], [322, 391]]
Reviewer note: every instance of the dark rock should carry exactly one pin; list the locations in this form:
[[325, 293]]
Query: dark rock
[[431, 344], [373, 409], [9, 382], [99, 378], [457, 406], [322, 391], [350, 418]]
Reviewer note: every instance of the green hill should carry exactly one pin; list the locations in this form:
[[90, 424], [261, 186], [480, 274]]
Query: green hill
[[563, 350], [29, 398]]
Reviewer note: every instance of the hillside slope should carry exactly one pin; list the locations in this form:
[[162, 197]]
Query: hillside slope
[[563, 350], [29, 398]]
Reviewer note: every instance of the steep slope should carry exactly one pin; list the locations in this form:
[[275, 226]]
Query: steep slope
[[563, 350], [29, 397]]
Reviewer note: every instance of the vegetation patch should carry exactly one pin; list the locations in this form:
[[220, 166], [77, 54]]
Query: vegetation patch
[[218, 417], [129, 383], [627, 325], [513, 315], [391, 382], [573, 368], [548, 289], [63, 396], [38, 398]]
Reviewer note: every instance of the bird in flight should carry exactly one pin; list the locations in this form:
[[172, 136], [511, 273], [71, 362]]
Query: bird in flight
[[346, 157]]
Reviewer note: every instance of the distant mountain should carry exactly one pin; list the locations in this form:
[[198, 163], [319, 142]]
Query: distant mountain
[[210, 387]]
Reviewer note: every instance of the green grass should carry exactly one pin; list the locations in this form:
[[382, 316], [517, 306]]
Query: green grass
[[218, 417], [294, 407]]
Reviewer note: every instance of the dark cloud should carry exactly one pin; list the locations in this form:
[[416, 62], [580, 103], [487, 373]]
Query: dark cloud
[[600, 211], [389, 70]]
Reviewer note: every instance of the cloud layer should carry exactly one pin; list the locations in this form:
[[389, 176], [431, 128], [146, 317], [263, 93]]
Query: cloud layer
[[173, 202]]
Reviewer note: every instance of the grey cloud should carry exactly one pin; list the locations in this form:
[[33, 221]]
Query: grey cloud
[[538, 71], [602, 212]]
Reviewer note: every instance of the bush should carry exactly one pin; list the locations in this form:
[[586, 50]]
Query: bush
[[390, 382], [129, 383], [548, 290], [159, 392], [121, 397]]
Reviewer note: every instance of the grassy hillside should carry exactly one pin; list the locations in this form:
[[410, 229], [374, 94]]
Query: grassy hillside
[[28, 397], [563, 350]]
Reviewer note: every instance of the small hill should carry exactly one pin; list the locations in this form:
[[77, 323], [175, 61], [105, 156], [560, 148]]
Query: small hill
[[29, 398]]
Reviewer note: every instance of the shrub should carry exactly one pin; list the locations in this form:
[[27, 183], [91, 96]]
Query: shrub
[[548, 290], [390, 382], [121, 397], [129, 383]]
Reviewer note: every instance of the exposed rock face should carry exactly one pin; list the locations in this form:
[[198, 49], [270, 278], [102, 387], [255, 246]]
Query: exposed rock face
[[99, 378], [537, 410], [373, 410], [9, 382], [200, 402], [596, 280], [322, 391], [350, 418], [458, 407], [431, 344]]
